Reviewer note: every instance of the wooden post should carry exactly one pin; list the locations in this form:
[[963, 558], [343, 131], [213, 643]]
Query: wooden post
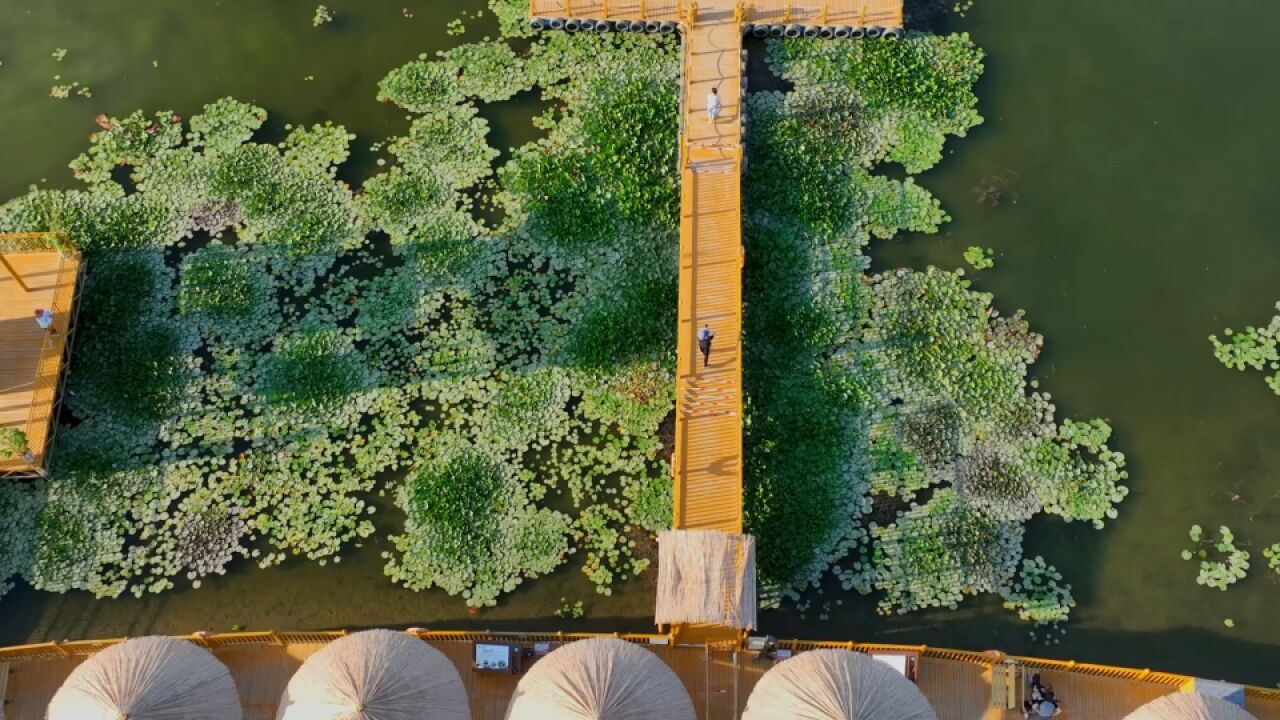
[[606, 9], [4, 261], [643, 14], [824, 13], [787, 17]]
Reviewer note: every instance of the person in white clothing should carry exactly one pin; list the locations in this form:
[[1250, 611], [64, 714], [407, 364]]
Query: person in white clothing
[[44, 318], [713, 104]]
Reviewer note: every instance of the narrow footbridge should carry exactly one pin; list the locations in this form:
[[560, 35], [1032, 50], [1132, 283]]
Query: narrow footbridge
[[708, 435]]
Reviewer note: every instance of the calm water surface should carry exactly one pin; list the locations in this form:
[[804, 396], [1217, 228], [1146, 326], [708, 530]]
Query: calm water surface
[[1137, 143]]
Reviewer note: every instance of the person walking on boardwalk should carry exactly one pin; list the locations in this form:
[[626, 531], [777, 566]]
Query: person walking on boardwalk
[[705, 336], [713, 104]]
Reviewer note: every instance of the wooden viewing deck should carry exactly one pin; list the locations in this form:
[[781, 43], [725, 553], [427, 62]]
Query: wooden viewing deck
[[958, 684], [31, 359]]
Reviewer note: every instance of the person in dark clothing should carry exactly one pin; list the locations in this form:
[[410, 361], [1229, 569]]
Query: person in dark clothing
[[705, 336]]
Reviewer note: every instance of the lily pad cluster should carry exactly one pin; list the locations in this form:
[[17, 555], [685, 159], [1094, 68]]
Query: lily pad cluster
[[1038, 594], [1255, 348], [1222, 564]]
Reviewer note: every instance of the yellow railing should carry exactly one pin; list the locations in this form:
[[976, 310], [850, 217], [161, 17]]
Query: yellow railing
[[221, 641], [237, 640], [37, 242]]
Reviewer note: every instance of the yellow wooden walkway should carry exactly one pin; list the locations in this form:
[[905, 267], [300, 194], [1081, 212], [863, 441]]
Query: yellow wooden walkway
[[708, 451]]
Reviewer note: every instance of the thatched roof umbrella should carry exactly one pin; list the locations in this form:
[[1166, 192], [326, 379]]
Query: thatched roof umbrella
[[1189, 706], [375, 675], [836, 685], [148, 678], [600, 679]]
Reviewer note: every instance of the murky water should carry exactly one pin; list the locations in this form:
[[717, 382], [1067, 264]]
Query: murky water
[[1137, 141]]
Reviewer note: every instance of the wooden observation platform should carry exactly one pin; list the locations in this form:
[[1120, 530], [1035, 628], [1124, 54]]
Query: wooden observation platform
[[38, 271], [708, 435]]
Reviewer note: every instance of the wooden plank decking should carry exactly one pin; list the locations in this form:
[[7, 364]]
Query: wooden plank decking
[[30, 358], [708, 438], [718, 681]]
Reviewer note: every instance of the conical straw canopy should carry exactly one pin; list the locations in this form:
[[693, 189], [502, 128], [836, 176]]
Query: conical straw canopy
[[1189, 706], [600, 679], [375, 675], [149, 678], [836, 685]]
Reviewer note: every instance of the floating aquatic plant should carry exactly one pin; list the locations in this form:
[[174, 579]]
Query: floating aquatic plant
[[1222, 564], [472, 528], [1256, 348], [980, 258]]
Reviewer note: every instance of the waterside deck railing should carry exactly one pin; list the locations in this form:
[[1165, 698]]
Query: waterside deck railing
[[962, 685]]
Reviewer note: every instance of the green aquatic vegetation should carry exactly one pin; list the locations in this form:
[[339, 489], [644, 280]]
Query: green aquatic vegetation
[[489, 70], [221, 284], [131, 140], [1256, 348], [1222, 564], [321, 146], [600, 531], [312, 370], [226, 124], [910, 95], [20, 504], [322, 16], [868, 391], [1038, 594], [421, 86], [980, 258], [936, 553], [471, 527], [447, 144], [570, 611], [1272, 555]]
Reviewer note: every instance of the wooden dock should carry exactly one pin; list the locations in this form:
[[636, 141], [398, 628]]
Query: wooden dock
[[958, 684], [31, 359]]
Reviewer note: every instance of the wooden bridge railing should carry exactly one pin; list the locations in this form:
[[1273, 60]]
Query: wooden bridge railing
[[222, 641]]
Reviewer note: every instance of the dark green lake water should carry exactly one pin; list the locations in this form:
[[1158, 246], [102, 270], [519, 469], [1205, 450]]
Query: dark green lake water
[[1137, 142]]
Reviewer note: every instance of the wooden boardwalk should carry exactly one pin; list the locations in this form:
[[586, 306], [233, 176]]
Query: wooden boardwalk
[[708, 440], [718, 681], [31, 359], [708, 434]]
